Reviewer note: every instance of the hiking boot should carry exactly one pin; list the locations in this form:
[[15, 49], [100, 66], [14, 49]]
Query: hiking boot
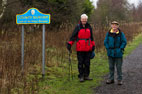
[[119, 82], [81, 79], [109, 81], [87, 78]]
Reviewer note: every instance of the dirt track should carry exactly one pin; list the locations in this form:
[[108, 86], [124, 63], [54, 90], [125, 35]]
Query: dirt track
[[132, 76]]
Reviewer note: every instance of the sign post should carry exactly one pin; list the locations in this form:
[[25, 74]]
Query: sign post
[[22, 50], [43, 51], [33, 16]]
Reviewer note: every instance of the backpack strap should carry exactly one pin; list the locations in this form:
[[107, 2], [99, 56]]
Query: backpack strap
[[78, 26]]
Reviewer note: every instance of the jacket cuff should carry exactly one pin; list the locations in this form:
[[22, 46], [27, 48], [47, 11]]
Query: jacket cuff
[[93, 43], [71, 42]]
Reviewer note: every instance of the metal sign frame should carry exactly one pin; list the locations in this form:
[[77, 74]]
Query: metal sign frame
[[33, 16]]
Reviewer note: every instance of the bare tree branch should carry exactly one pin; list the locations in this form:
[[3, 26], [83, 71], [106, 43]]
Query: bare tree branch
[[13, 2]]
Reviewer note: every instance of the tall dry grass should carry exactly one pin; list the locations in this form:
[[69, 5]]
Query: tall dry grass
[[11, 79]]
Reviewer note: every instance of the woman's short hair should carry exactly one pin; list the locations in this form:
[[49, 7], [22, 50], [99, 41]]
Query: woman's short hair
[[84, 16]]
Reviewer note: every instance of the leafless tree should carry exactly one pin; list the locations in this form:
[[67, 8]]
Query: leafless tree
[[3, 7]]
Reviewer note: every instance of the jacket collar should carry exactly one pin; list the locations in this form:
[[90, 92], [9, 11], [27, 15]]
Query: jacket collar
[[111, 31], [117, 32], [86, 25]]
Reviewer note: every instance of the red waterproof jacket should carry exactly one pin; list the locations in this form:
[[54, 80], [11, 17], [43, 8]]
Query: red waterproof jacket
[[84, 38]]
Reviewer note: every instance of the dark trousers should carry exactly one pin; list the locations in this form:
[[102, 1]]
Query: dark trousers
[[83, 63], [113, 61]]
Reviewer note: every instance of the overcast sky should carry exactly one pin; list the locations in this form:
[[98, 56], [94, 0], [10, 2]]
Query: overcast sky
[[131, 1]]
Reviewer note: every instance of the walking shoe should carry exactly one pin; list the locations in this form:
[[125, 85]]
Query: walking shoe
[[109, 81], [119, 82], [87, 78], [81, 79]]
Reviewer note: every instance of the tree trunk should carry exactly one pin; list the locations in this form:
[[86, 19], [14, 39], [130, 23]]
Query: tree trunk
[[3, 7]]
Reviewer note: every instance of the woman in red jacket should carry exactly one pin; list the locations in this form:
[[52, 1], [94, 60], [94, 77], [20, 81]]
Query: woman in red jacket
[[84, 46]]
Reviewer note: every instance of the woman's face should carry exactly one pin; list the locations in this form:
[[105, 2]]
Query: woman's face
[[83, 21], [114, 26]]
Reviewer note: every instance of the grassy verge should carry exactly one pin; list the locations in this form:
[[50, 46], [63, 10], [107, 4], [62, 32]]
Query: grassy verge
[[57, 79], [62, 84], [132, 45]]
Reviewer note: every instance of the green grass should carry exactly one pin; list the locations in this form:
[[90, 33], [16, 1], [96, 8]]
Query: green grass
[[132, 45], [57, 79], [62, 85]]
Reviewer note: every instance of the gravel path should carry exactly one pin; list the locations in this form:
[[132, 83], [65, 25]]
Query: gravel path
[[132, 76]]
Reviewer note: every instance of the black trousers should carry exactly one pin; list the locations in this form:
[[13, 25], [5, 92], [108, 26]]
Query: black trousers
[[83, 63]]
